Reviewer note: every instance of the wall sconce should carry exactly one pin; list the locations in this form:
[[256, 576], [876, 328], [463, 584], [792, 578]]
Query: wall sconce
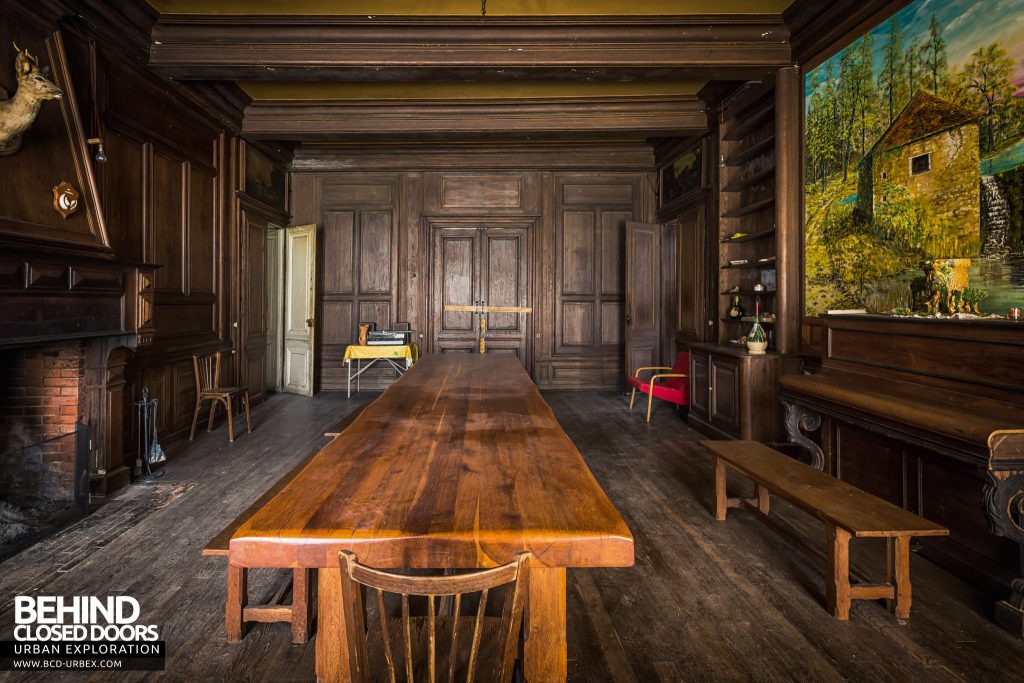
[[101, 155]]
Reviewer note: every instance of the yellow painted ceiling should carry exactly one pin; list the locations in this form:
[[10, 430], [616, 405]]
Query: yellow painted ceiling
[[476, 90], [454, 8]]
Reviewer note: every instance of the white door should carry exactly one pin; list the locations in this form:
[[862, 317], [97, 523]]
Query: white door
[[275, 306], [299, 289]]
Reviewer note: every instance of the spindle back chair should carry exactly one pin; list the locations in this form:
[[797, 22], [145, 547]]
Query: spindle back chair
[[493, 655], [207, 370]]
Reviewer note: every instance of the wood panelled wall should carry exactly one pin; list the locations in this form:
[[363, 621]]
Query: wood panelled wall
[[171, 195], [379, 232]]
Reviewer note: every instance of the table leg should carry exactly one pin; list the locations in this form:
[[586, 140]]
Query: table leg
[[331, 652], [349, 364], [359, 371], [545, 651], [238, 598]]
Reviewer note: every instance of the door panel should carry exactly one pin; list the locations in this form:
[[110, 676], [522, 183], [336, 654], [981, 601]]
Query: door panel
[[299, 326], [725, 395], [643, 294], [481, 266], [700, 384], [252, 326], [691, 311], [275, 307]]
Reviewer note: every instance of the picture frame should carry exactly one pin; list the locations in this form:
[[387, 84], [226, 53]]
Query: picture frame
[[684, 175]]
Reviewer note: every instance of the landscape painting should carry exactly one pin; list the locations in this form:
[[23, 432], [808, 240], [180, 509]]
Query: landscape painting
[[914, 176]]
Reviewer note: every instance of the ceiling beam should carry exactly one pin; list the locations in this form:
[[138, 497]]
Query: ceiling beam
[[382, 48], [339, 120]]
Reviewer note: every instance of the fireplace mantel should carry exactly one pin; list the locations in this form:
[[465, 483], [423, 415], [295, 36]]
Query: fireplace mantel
[[47, 296]]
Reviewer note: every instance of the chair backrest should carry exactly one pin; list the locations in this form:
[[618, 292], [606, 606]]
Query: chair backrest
[[682, 364], [207, 369], [447, 591]]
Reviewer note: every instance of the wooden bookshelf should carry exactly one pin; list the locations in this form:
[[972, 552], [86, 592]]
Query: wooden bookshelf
[[747, 205]]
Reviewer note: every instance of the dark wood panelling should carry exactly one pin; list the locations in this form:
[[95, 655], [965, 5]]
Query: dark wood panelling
[[358, 262], [166, 229], [692, 305], [565, 231], [201, 236], [486, 194], [583, 268]]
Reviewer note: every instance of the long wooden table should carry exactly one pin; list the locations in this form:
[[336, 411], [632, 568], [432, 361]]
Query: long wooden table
[[459, 464]]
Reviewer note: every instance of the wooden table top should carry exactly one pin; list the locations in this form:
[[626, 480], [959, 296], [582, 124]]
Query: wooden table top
[[460, 463]]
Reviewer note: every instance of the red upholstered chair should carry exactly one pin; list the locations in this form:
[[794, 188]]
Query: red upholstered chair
[[672, 386]]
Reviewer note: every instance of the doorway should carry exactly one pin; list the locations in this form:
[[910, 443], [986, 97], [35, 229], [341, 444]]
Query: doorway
[[290, 324], [481, 264]]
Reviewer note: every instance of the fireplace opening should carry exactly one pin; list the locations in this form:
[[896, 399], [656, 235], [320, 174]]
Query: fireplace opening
[[44, 444]]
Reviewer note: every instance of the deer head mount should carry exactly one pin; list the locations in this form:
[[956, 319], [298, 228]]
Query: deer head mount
[[19, 112]]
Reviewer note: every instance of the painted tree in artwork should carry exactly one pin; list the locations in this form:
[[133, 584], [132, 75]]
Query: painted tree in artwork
[[933, 58], [892, 77], [988, 79], [914, 68]]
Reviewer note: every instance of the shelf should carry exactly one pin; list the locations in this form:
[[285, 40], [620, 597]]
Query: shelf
[[748, 319], [745, 292], [740, 185], [760, 234], [756, 264], [755, 120], [749, 208], [743, 156]]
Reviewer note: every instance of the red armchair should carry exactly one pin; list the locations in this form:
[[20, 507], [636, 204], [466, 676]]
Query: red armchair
[[672, 386]]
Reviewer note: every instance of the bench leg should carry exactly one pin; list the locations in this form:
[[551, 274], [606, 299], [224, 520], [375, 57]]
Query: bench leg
[[763, 500], [238, 597], [721, 499], [302, 605], [837, 579], [897, 570]]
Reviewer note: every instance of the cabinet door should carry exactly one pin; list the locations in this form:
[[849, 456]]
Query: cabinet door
[[724, 408], [699, 385]]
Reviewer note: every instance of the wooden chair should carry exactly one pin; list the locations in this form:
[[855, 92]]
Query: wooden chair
[[674, 386], [207, 380], [492, 641]]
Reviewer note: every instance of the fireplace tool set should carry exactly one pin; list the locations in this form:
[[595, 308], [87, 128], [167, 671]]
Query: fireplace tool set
[[150, 453]]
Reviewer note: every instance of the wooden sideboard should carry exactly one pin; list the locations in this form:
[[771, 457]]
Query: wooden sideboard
[[733, 395]]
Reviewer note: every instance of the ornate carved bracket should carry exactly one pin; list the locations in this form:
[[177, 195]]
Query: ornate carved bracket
[[800, 418], [1004, 504]]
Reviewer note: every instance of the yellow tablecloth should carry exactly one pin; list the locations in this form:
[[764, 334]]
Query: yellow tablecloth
[[408, 351]]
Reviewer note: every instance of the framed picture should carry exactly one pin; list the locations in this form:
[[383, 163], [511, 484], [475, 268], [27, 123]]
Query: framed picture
[[914, 165], [683, 175], [263, 180]]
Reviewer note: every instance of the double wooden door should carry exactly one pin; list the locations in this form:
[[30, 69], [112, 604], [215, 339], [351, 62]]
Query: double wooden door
[[481, 266]]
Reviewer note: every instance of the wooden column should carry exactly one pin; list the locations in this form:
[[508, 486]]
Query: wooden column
[[788, 196]]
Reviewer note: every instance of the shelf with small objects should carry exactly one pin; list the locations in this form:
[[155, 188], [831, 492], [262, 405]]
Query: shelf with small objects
[[747, 229]]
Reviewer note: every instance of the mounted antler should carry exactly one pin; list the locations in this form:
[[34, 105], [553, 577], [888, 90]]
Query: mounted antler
[[19, 112]]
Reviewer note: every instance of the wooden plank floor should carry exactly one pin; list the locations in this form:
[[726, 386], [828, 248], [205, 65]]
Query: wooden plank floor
[[706, 601]]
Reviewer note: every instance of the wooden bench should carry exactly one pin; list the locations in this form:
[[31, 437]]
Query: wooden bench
[[846, 510], [238, 611]]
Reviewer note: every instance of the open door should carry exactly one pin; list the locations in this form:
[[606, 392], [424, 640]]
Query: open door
[[299, 302], [643, 295]]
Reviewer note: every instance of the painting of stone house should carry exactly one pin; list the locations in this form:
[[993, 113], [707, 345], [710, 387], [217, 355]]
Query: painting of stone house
[[930, 152], [914, 164]]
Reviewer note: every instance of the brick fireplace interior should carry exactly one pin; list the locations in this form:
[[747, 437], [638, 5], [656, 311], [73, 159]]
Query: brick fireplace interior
[[44, 464]]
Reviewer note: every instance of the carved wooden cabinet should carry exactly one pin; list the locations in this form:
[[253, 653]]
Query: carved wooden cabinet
[[733, 395]]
